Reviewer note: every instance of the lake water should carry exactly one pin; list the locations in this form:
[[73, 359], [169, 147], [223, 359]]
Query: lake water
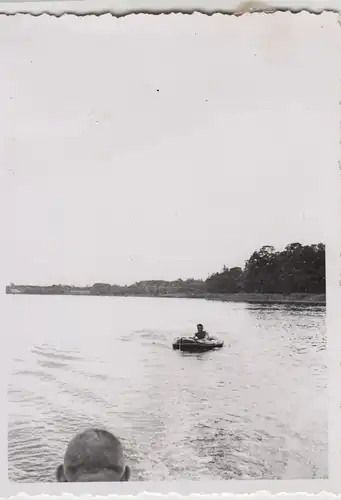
[[255, 409]]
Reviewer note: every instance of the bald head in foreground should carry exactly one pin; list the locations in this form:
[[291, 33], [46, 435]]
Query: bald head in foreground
[[92, 456]]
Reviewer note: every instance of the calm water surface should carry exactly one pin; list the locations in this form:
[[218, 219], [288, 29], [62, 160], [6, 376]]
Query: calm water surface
[[255, 409]]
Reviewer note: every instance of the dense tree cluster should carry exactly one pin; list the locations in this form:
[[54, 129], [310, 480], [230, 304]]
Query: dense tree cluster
[[296, 269]]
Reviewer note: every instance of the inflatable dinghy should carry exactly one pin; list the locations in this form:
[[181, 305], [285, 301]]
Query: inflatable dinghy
[[190, 344]]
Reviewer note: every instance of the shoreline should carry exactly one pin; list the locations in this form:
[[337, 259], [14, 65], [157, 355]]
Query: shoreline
[[273, 298], [251, 298]]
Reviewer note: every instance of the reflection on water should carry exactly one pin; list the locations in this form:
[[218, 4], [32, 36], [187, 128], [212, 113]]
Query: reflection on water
[[255, 409]]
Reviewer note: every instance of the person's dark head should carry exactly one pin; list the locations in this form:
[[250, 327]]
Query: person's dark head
[[94, 455], [200, 327]]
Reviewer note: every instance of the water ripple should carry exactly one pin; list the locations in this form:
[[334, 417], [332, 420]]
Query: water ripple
[[256, 409]]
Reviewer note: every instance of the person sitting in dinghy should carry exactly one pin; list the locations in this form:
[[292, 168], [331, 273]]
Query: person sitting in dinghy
[[201, 334]]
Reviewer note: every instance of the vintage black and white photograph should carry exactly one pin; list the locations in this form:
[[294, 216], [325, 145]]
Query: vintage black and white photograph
[[168, 189]]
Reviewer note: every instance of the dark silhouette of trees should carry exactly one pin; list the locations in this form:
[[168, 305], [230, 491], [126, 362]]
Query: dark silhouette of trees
[[230, 280], [296, 269]]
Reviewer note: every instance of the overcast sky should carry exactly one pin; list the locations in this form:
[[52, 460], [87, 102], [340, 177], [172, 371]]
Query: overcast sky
[[163, 147]]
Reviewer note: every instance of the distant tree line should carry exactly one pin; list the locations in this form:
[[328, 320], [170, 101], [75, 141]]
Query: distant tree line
[[296, 269]]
